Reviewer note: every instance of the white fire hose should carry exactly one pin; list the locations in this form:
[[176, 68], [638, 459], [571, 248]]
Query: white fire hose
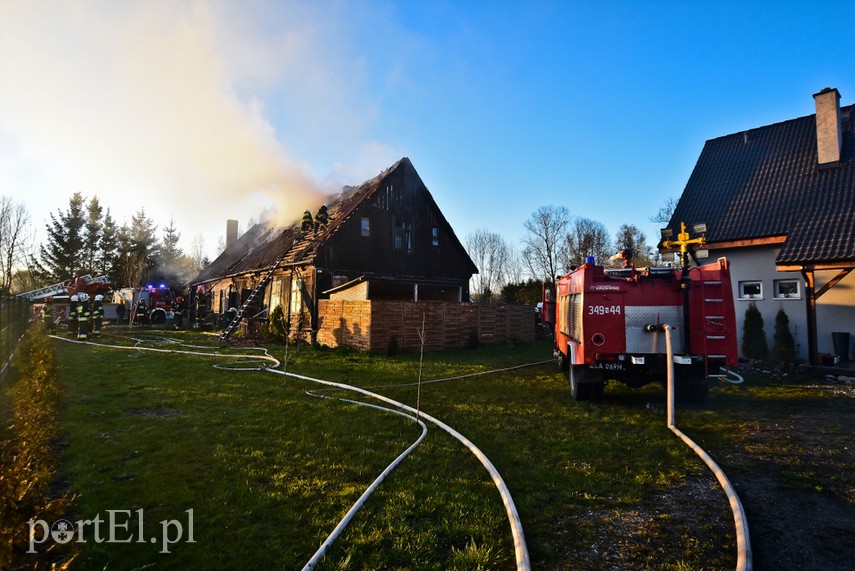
[[520, 547], [743, 541]]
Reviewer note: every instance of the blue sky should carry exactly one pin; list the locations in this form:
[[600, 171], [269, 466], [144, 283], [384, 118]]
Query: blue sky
[[210, 110]]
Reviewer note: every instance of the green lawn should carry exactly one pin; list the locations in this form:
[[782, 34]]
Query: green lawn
[[269, 470]]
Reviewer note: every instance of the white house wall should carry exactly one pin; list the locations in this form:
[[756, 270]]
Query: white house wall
[[835, 309]]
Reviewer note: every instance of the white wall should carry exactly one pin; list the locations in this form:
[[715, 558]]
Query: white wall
[[835, 309]]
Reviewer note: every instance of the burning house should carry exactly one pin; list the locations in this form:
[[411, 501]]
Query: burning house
[[386, 245]]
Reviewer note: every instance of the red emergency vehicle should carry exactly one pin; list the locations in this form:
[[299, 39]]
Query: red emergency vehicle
[[608, 325]]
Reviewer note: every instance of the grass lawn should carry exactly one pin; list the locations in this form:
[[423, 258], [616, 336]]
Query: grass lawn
[[269, 470]]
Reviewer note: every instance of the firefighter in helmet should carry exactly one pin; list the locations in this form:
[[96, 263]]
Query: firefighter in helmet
[[321, 218], [47, 314], [84, 314], [97, 315], [141, 315], [73, 326], [307, 223], [178, 311]]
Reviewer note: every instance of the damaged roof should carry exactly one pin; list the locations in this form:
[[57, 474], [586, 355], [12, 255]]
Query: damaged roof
[[765, 183], [263, 245]]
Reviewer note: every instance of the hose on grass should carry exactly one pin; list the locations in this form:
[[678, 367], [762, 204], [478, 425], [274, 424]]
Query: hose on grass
[[743, 540], [520, 547]]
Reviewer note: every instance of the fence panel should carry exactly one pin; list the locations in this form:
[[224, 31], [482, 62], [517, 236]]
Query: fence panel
[[14, 317]]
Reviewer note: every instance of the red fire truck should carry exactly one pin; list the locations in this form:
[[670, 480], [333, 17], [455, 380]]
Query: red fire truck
[[609, 325]]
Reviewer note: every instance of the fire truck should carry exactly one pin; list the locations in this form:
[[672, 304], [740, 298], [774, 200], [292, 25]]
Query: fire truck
[[609, 325]]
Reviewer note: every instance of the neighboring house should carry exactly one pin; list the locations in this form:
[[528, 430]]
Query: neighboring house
[[779, 202], [386, 240]]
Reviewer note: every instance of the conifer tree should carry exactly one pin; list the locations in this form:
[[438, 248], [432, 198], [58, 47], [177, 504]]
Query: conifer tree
[[92, 235], [783, 342], [754, 344], [62, 254], [108, 251]]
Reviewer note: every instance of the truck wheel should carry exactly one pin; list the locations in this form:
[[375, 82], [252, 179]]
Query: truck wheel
[[585, 384], [158, 316]]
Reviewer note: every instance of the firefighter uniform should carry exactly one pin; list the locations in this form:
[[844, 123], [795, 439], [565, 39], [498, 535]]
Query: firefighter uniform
[[141, 313], [178, 312], [84, 314], [47, 315], [73, 326], [308, 223], [97, 315], [321, 218]]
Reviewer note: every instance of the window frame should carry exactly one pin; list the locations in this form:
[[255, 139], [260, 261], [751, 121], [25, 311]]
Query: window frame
[[776, 291], [749, 297], [365, 227]]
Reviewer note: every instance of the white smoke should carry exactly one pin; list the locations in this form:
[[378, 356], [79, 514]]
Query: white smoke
[[154, 104]]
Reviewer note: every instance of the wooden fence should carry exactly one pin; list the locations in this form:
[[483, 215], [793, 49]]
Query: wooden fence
[[372, 325]]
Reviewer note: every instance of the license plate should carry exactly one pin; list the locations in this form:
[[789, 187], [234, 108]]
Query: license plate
[[608, 366]]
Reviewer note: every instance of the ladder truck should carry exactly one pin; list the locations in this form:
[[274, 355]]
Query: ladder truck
[[609, 323]]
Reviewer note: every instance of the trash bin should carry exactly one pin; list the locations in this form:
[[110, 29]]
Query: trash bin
[[840, 340]]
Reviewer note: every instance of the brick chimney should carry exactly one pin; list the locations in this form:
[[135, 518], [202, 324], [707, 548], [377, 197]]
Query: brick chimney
[[231, 232], [829, 136]]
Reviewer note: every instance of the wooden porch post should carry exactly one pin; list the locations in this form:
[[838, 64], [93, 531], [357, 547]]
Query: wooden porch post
[[810, 309]]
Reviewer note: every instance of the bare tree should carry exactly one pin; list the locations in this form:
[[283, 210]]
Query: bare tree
[[586, 238], [14, 240], [492, 254], [632, 240], [197, 254], [544, 247], [663, 215]]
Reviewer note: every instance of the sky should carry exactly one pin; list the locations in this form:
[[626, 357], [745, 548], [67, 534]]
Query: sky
[[203, 111]]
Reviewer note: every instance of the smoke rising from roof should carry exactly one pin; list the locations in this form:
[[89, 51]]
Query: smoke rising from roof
[[151, 104]]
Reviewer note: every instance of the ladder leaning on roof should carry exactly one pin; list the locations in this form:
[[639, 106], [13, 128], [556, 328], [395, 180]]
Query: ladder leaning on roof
[[259, 289]]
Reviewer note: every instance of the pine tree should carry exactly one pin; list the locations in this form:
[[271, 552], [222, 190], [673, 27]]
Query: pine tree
[[783, 343], [143, 238], [62, 255], [754, 344], [108, 252], [92, 235]]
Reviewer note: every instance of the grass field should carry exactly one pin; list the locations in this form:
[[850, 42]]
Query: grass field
[[269, 470]]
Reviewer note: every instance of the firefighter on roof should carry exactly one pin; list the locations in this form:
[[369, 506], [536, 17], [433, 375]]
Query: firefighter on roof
[[307, 224], [47, 314], [72, 316], [321, 218], [84, 314], [97, 315]]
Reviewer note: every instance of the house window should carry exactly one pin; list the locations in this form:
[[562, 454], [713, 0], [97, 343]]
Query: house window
[[434, 233], [751, 290], [296, 295], [787, 289], [366, 227], [403, 236]]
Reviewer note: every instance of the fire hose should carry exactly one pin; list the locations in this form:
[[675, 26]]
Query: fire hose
[[520, 547], [743, 541]]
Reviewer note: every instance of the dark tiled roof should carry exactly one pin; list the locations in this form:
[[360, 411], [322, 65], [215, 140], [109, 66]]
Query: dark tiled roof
[[262, 245], [765, 182]]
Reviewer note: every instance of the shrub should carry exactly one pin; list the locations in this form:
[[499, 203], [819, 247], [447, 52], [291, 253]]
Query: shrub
[[392, 348], [28, 465], [278, 326], [754, 344], [783, 343], [474, 339]]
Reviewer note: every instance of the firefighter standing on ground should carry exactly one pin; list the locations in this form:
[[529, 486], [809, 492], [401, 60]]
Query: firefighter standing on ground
[[47, 314], [73, 302], [97, 315], [141, 316], [83, 316], [178, 311]]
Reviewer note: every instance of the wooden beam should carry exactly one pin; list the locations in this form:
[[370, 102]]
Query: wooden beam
[[747, 243], [833, 282], [810, 310], [846, 265]]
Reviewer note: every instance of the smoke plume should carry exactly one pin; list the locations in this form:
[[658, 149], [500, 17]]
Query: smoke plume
[[151, 104]]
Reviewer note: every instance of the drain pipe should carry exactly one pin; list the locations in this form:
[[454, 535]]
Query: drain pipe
[[743, 541]]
